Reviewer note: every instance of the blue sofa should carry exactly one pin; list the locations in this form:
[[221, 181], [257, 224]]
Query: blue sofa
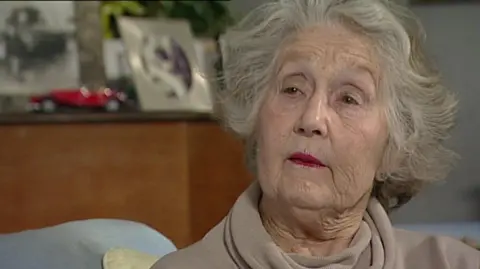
[[453, 229], [78, 244]]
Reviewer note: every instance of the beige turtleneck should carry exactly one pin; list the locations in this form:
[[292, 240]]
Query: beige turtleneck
[[241, 241]]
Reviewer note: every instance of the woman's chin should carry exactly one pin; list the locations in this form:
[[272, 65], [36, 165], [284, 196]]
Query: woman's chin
[[306, 196]]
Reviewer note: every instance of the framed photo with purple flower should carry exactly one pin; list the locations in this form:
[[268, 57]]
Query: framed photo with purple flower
[[165, 66]]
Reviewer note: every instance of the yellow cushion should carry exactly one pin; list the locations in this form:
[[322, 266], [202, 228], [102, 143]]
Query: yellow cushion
[[121, 258]]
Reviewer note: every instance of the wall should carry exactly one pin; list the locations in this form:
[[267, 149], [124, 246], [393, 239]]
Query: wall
[[453, 38], [241, 7], [454, 41]]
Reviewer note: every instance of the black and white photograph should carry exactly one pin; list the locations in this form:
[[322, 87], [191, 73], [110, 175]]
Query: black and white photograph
[[38, 51]]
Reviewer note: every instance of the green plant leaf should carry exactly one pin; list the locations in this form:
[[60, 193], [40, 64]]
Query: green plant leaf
[[207, 18], [167, 5]]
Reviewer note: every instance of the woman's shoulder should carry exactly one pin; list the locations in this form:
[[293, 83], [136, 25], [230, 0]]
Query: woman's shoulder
[[183, 258], [420, 250], [208, 253], [198, 256]]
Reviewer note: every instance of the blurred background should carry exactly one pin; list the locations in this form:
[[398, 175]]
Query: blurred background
[[87, 130]]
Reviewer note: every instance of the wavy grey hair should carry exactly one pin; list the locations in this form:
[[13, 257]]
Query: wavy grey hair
[[420, 111]]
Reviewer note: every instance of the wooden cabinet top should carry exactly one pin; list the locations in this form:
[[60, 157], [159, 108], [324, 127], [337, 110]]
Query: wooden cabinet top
[[88, 117]]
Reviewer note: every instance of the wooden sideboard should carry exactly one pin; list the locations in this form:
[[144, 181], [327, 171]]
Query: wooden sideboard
[[178, 176]]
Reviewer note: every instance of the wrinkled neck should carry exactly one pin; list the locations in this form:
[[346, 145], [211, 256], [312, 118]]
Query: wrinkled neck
[[320, 233]]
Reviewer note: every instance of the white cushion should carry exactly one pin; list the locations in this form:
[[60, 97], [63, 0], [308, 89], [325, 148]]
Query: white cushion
[[123, 258]]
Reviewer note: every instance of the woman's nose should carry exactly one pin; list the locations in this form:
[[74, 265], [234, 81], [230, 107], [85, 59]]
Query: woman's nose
[[313, 121]]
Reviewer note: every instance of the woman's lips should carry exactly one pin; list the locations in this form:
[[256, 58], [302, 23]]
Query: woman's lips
[[305, 160]]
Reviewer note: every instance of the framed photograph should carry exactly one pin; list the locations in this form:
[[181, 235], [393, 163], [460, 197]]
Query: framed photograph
[[165, 65], [37, 47]]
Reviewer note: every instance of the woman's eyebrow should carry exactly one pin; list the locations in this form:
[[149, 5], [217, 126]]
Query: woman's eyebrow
[[292, 67]]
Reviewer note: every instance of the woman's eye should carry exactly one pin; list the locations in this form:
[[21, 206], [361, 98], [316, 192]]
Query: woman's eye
[[291, 91], [349, 100]]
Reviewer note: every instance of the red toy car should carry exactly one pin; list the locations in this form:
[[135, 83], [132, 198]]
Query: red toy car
[[105, 98]]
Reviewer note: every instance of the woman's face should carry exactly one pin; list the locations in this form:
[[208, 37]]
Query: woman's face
[[321, 130]]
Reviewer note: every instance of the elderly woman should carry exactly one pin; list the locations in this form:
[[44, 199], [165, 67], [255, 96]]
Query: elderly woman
[[344, 121]]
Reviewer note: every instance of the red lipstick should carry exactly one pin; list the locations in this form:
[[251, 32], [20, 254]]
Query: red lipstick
[[305, 160]]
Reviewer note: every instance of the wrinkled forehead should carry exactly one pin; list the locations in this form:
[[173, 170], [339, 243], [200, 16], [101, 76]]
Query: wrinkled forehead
[[330, 48]]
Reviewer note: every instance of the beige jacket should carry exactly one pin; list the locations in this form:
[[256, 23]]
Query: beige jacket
[[240, 241]]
